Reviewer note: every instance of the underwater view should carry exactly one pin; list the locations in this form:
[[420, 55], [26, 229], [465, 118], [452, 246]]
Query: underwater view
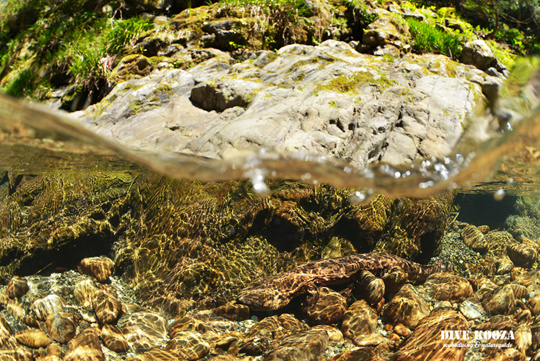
[[225, 191]]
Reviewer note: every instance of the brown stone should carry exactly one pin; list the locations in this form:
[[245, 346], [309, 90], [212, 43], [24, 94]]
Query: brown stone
[[157, 354], [500, 301], [143, 330], [62, 326], [363, 354], [47, 306], [114, 339], [523, 336], [301, 346], [254, 346], [407, 307], [277, 327], [106, 307], [520, 291], [402, 330], [334, 334], [233, 311], [359, 319], [5, 331], [522, 255], [525, 277], [394, 280], [426, 342], [32, 338], [324, 307], [370, 288], [373, 340], [534, 305], [99, 268], [84, 293], [17, 287], [503, 265], [16, 354], [447, 286], [85, 347], [188, 344], [474, 238]]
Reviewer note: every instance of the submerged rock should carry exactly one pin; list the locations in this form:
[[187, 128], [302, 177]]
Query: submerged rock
[[446, 286], [301, 346], [32, 338], [359, 320], [324, 307], [17, 287], [407, 307], [99, 268], [426, 341]]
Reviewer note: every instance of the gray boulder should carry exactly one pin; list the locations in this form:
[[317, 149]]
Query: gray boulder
[[326, 100], [477, 53]]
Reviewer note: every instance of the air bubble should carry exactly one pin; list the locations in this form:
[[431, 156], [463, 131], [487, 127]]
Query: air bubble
[[499, 195]]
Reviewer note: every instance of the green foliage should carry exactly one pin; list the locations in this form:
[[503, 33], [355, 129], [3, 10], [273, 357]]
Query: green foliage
[[23, 84], [289, 7], [427, 38], [69, 37]]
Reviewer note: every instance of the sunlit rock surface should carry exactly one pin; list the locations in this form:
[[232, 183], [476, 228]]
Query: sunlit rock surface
[[319, 100]]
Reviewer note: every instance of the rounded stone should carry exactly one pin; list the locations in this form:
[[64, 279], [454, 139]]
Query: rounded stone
[[402, 330], [5, 331], [301, 346], [32, 338], [370, 288], [106, 307], [359, 319], [85, 347], [500, 301], [324, 307], [188, 344], [472, 309], [62, 326], [503, 265], [407, 307], [534, 305], [144, 330], [84, 293], [334, 334], [233, 312], [474, 238], [394, 280], [99, 268], [447, 286], [426, 341], [114, 339], [520, 291], [521, 254], [254, 346], [17, 287], [44, 307]]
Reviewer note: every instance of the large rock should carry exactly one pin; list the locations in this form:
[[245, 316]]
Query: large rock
[[320, 100], [478, 54]]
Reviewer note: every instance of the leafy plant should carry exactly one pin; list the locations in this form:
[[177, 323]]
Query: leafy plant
[[427, 38]]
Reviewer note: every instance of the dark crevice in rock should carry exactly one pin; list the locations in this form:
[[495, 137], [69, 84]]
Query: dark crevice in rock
[[484, 209], [66, 256]]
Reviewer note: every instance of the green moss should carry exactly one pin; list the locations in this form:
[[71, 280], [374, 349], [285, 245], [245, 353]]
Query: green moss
[[350, 84]]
